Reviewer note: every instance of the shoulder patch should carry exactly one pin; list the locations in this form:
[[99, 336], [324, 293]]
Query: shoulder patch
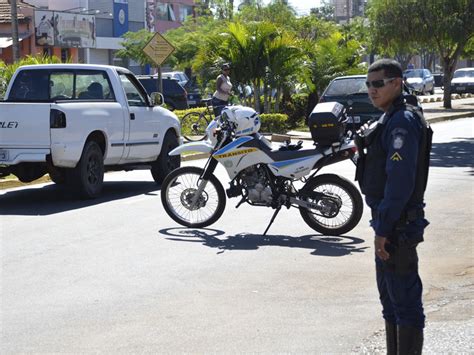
[[398, 142], [398, 137], [396, 157]]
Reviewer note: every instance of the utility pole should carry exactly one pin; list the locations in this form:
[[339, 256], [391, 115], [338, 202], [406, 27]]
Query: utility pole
[[15, 46]]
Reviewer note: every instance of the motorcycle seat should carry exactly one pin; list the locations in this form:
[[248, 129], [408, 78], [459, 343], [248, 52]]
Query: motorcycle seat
[[277, 154], [280, 155]]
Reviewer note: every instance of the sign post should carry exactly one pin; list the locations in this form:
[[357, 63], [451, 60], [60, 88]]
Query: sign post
[[158, 49]]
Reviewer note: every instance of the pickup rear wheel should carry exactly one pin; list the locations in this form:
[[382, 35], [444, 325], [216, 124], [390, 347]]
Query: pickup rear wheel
[[165, 164], [87, 177]]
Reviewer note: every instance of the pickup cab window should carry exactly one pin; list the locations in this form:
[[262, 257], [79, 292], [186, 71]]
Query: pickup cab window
[[135, 94], [30, 85], [52, 85], [93, 86], [61, 85]]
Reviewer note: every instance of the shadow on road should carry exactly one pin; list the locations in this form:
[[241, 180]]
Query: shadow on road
[[321, 245], [453, 154], [51, 198]]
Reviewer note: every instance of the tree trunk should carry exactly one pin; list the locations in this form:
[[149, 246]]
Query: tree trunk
[[430, 62], [449, 65], [448, 71], [277, 100], [231, 9], [256, 95], [15, 45], [265, 97]]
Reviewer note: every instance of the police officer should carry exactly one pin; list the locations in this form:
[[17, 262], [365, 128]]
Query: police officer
[[392, 171]]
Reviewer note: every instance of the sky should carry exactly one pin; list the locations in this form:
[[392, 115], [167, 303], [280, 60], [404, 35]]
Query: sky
[[302, 7]]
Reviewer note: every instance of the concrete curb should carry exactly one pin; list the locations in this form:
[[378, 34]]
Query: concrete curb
[[425, 100], [450, 117]]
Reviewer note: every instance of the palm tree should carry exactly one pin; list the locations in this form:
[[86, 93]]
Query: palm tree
[[283, 55], [245, 46]]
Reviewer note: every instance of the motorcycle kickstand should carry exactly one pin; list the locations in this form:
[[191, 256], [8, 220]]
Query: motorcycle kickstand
[[271, 221]]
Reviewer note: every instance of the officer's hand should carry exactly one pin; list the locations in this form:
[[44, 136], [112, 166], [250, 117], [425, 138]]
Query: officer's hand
[[380, 251]]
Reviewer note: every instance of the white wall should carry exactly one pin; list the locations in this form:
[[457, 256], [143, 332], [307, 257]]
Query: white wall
[[66, 4], [98, 56]]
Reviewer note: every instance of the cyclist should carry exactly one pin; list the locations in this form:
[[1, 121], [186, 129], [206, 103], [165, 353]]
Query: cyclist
[[220, 99]]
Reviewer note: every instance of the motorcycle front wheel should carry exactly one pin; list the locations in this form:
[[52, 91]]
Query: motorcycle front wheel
[[340, 204], [191, 201]]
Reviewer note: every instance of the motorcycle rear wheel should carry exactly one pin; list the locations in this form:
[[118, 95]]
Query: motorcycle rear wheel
[[178, 192], [348, 213]]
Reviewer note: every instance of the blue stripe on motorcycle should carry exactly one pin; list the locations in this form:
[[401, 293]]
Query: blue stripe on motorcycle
[[283, 163], [234, 144]]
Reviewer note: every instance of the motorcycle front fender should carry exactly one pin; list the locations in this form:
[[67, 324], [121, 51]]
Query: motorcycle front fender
[[201, 147]]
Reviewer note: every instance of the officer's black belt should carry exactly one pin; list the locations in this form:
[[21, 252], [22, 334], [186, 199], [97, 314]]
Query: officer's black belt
[[407, 216]]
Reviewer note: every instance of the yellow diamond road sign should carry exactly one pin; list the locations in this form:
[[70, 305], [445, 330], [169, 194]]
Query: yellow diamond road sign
[[158, 49]]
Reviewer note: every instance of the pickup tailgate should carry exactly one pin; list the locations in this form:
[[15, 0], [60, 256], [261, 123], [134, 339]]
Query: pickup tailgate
[[23, 126]]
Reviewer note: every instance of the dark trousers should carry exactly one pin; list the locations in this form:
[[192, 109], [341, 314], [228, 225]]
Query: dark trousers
[[218, 105], [400, 287]]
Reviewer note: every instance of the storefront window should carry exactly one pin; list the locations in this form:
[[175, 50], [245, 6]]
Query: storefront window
[[185, 11], [164, 12]]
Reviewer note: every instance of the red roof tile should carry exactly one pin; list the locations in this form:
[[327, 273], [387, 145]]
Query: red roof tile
[[5, 11]]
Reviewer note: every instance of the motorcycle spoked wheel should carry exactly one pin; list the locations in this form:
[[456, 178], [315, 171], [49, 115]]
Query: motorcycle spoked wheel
[[343, 210], [178, 190]]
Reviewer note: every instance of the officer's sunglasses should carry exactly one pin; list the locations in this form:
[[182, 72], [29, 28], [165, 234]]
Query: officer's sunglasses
[[378, 83]]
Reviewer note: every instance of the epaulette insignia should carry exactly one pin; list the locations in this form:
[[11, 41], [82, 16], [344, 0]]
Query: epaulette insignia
[[396, 157]]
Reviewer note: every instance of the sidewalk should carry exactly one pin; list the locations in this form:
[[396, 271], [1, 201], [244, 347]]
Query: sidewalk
[[433, 111]]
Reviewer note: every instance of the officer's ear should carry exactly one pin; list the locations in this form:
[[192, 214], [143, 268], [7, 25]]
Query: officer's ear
[[399, 82]]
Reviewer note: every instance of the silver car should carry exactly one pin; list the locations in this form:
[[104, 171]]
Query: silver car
[[463, 81], [419, 80]]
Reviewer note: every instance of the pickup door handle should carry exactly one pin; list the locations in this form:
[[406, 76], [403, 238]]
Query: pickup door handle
[[132, 116]]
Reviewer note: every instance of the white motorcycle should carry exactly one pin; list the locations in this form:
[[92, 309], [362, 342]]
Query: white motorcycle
[[263, 176]]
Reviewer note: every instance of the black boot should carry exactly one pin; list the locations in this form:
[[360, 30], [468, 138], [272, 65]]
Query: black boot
[[410, 340], [391, 337]]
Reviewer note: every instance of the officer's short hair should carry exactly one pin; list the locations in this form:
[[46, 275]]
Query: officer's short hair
[[391, 68]]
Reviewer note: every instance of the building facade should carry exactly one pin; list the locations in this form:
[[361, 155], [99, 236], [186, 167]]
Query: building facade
[[162, 16], [87, 31], [26, 34], [344, 10]]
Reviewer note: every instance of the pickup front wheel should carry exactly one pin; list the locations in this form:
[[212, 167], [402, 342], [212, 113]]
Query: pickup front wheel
[[165, 164], [87, 177]]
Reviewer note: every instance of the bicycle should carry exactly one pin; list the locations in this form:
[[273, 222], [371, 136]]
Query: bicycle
[[194, 124]]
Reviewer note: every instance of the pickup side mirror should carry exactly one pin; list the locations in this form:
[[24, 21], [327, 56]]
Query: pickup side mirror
[[157, 99]]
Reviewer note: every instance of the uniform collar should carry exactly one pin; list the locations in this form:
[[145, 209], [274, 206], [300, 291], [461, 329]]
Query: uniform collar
[[399, 101]]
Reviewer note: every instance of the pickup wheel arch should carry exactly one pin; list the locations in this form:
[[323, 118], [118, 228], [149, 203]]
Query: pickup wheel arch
[[164, 164], [99, 138], [88, 175]]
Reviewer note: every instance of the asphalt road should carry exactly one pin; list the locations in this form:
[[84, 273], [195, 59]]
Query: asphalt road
[[117, 275]]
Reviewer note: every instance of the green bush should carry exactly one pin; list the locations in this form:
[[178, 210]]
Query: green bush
[[271, 122], [181, 113], [274, 123], [296, 109], [186, 130]]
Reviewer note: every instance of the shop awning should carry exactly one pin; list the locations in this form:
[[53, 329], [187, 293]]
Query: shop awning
[[7, 40]]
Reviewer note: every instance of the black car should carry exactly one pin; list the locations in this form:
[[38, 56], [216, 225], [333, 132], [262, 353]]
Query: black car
[[194, 95], [351, 91], [174, 94]]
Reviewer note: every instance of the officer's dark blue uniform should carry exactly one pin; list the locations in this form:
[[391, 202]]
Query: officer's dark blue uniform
[[392, 175]]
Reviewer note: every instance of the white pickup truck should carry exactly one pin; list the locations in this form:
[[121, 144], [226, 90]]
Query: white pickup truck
[[75, 121]]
